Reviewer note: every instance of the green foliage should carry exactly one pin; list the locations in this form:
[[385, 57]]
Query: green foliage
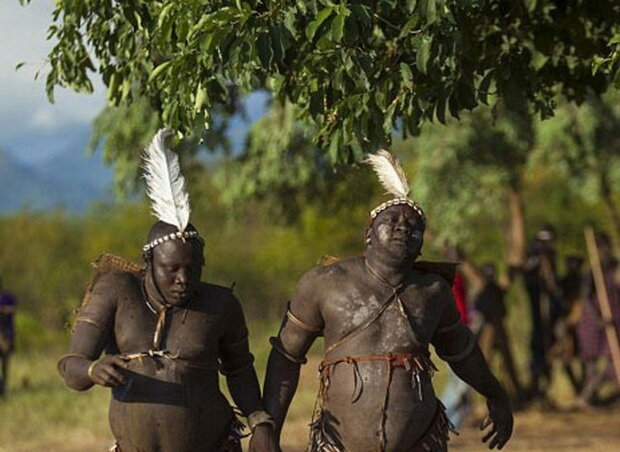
[[584, 144], [464, 170], [281, 167], [124, 131], [562, 168], [351, 69]]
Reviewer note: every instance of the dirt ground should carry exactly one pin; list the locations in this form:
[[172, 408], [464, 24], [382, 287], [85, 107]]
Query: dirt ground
[[538, 431]]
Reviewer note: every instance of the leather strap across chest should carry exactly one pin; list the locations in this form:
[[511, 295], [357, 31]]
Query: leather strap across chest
[[394, 296]]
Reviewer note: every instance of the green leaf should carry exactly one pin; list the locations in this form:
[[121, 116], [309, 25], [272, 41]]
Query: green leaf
[[158, 70], [406, 75], [277, 35], [483, 88], [424, 53], [388, 118], [201, 98], [530, 5], [337, 27], [112, 91], [313, 26], [411, 23], [428, 10], [163, 15], [289, 21], [264, 50], [334, 148]]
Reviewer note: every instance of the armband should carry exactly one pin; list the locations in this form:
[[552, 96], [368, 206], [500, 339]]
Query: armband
[[277, 346], [90, 370], [260, 417], [471, 342], [92, 322], [450, 327], [243, 341], [299, 323]]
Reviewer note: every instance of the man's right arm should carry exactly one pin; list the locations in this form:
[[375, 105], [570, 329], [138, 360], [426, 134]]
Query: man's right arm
[[92, 332], [301, 325]]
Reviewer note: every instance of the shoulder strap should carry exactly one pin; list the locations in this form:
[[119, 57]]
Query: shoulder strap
[[358, 329]]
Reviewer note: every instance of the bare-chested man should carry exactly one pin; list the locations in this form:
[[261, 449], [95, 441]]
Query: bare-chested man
[[378, 314], [166, 335]]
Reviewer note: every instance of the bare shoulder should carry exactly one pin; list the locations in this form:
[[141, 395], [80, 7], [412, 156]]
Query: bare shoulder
[[112, 283], [321, 277], [316, 286], [433, 285], [220, 295], [105, 292]]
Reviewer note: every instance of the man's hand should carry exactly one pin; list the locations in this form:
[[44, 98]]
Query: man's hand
[[105, 372], [500, 420], [263, 439]]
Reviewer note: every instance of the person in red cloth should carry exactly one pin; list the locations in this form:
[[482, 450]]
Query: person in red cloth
[[460, 296]]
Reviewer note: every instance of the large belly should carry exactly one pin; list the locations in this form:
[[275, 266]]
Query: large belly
[[396, 411], [168, 408]]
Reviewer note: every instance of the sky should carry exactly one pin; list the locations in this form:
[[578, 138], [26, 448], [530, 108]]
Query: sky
[[31, 128]]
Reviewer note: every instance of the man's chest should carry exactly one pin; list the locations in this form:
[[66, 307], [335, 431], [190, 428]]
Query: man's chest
[[403, 318], [189, 332]]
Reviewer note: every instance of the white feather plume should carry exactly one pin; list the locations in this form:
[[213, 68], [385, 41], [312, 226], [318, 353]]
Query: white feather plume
[[390, 173], [165, 185]]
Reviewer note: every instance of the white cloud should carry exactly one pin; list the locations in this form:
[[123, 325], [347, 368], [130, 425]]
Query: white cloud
[[44, 118]]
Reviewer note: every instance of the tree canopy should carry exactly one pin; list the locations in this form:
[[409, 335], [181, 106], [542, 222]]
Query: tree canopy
[[352, 70]]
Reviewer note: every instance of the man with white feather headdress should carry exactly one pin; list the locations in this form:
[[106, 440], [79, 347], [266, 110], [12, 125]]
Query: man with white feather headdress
[[378, 314], [166, 335]]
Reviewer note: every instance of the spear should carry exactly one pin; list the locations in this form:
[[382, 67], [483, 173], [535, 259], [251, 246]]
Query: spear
[[603, 299]]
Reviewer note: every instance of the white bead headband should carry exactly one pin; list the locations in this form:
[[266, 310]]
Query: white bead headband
[[173, 235], [396, 202]]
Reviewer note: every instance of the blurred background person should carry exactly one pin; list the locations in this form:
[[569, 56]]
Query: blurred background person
[[7, 334], [492, 337], [540, 279], [593, 344], [566, 345]]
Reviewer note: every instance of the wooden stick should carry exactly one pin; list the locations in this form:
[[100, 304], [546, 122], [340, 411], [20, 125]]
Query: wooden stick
[[603, 299]]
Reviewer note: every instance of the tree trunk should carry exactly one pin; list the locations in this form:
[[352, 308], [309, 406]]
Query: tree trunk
[[515, 236], [608, 201]]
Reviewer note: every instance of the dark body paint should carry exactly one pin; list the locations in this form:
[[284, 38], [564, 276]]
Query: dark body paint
[[167, 403]]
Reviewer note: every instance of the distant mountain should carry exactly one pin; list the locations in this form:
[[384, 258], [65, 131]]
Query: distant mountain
[[47, 169], [68, 179], [20, 186]]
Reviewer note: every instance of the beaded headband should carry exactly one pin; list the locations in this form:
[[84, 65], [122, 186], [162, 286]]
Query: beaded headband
[[173, 235], [396, 202]]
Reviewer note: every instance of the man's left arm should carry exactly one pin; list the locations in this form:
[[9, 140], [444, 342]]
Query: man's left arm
[[455, 344], [237, 365]]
